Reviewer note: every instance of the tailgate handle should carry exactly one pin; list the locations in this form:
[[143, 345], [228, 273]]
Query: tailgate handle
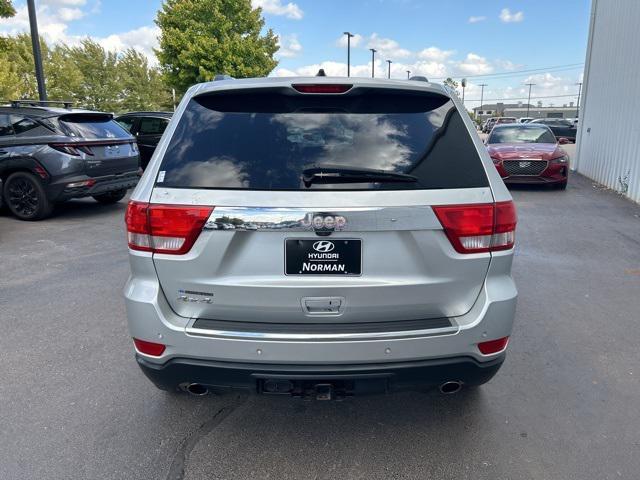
[[323, 305]]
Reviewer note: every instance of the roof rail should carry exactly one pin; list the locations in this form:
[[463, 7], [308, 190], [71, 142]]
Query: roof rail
[[222, 76], [41, 103], [419, 78]]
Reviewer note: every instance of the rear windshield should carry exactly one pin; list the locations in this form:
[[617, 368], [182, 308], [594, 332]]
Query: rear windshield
[[267, 141], [529, 134], [91, 126]]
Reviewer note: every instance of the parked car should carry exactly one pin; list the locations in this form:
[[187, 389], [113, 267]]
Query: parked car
[[148, 128], [503, 120], [378, 265], [561, 127], [524, 119], [50, 154], [528, 153], [488, 125]]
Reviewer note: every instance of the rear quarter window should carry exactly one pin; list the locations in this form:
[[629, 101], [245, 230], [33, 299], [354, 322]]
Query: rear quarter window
[[264, 141]]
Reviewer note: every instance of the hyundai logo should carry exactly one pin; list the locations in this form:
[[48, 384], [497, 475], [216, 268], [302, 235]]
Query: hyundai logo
[[323, 246]]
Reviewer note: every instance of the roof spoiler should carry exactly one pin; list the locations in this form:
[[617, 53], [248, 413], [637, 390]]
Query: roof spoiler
[[419, 78], [222, 76]]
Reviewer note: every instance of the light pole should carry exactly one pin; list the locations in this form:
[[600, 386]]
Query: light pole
[[349, 35], [463, 83], [389, 71], [373, 62], [579, 93], [482, 85], [529, 99], [408, 74], [37, 54]]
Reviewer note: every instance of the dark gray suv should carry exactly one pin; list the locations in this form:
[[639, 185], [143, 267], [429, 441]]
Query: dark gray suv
[[50, 154]]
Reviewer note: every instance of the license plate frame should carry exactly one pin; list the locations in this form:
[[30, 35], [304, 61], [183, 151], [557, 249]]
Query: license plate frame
[[343, 259]]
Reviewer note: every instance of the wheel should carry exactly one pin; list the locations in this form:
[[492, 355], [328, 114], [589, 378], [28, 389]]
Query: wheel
[[111, 197], [25, 197]]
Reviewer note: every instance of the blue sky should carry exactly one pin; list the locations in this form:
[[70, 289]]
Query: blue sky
[[503, 43]]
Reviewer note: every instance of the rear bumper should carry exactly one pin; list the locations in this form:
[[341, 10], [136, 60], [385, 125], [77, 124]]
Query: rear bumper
[[177, 373], [58, 191]]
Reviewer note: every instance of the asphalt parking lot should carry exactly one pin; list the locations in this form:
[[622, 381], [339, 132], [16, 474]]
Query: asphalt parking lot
[[74, 405]]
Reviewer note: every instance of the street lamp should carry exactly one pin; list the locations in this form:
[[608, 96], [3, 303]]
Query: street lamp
[[373, 62], [349, 35], [529, 99], [389, 71], [37, 54], [408, 74]]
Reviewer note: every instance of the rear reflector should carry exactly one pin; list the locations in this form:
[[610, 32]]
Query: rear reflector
[[159, 228], [493, 346], [322, 88], [149, 348], [478, 228]]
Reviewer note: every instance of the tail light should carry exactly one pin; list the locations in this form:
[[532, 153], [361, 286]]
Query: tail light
[[158, 228], [493, 346], [322, 88], [478, 228], [73, 148], [149, 348]]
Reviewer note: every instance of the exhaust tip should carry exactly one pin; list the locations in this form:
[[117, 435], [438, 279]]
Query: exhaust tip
[[197, 389], [450, 387]]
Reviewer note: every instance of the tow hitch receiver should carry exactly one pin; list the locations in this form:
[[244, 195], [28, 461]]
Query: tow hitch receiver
[[324, 391]]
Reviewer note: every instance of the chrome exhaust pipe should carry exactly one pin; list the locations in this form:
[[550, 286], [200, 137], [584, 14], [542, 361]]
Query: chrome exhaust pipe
[[196, 389], [450, 387]]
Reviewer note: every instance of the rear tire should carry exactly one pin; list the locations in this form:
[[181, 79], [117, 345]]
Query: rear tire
[[110, 197], [25, 197]]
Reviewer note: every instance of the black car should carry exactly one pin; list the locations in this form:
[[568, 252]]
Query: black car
[[561, 127], [148, 128], [50, 154]]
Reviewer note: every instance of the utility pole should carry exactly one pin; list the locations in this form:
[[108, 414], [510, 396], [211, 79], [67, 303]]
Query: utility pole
[[529, 99], [408, 74], [37, 54], [482, 85], [349, 35], [373, 62], [579, 93], [389, 71]]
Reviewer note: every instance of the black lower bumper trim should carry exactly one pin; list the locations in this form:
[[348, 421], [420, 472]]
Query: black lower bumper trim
[[354, 379]]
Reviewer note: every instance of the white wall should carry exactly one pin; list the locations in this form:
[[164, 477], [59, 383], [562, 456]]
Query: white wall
[[608, 147]]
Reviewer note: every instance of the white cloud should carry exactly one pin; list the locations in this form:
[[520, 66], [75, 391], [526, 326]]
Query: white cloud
[[387, 48], [70, 14], [289, 46], [507, 17], [143, 39], [64, 3], [276, 7], [474, 64], [477, 19], [356, 40], [435, 54]]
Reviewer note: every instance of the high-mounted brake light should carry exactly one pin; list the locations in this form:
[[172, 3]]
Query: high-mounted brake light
[[322, 88], [478, 228], [159, 228]]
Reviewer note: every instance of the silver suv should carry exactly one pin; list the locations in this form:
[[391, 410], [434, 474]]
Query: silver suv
[[320, 237]]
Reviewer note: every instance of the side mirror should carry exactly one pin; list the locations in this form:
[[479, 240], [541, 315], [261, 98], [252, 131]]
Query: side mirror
[[563, 141]]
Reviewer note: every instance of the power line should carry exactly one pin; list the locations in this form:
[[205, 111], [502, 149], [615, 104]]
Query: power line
[[516, 73]]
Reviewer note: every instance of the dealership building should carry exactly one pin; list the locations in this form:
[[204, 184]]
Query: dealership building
[[521, 109], [608, 140]]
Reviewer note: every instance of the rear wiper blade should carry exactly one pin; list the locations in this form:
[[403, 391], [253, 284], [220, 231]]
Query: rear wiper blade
[[338, 174]]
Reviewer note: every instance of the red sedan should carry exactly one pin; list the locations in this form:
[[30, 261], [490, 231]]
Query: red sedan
[[528, 153]]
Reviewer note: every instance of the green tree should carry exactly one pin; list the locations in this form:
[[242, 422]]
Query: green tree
[[141, 87], [6, 9], [202, 38], [452, 84]]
